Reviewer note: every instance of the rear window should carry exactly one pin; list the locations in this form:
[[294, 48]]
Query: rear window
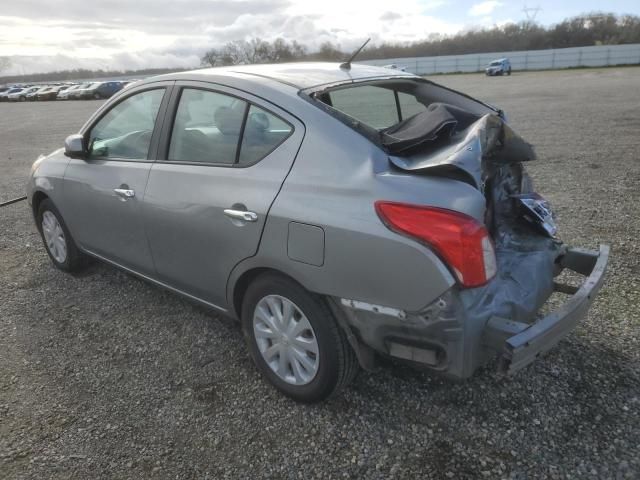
[[375, 106]]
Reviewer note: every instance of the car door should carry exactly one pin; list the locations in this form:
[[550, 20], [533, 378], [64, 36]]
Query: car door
[[224, 161], [103, 193]]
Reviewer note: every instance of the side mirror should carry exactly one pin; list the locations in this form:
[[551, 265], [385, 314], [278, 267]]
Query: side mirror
[[74, 146]]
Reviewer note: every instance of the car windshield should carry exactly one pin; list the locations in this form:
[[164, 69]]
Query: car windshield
[[497, 63]]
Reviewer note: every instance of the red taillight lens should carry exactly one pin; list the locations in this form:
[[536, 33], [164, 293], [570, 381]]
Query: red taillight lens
[[461, 241]]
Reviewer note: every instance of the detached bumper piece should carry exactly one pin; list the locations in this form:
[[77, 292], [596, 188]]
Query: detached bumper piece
[[520, 343]]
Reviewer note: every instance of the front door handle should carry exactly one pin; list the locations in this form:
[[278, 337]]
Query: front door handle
[[243, 215], [125, 192]]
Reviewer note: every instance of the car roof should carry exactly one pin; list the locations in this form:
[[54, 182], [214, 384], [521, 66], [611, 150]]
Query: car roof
[[300, 75]]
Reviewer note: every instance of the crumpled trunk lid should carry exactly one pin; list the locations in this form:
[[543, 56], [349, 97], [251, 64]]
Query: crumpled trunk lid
[[489, 155], [444, 149]]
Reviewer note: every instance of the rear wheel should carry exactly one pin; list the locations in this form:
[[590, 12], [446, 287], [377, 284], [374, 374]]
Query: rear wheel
[[57, 239], [97, 96], [295, 341]]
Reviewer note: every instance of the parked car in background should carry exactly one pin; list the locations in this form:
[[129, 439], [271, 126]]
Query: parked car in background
[[499, 67], [393, 66], [4, 96], [49, 93], [340, 214], [33, 95], [79, 93], [21, 96], [66, 93], [100, 90]]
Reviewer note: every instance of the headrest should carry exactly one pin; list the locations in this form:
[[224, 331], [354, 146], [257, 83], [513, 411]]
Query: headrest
[[228, 120], [258, 121]]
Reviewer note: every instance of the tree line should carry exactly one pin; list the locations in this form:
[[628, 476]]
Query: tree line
[[82, 74], [580, 31]]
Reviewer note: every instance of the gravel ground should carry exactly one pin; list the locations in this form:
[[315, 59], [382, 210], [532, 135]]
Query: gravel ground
[[104, 376]]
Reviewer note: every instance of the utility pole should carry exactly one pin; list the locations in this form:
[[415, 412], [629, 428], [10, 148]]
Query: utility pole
[[531, 13]]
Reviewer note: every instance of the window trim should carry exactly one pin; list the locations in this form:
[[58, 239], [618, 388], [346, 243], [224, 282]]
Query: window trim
[[398, 108], [157, 126], [172, 110]]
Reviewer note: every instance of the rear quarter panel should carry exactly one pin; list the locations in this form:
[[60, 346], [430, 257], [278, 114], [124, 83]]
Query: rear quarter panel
[[336, 179]]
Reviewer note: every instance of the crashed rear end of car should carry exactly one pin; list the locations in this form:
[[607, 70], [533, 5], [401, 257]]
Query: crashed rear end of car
[[505, 267]]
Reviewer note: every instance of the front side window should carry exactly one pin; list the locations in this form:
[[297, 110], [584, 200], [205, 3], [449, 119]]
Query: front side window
[[125, 131], [212, 127]]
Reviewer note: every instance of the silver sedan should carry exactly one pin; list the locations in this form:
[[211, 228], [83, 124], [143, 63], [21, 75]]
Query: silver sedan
[[340, 212]]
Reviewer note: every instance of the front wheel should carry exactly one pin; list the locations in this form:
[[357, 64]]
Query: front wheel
[[295, 341], [57, 239], [97, 96]]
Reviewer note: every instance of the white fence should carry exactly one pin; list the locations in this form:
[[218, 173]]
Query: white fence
[[598, 56]]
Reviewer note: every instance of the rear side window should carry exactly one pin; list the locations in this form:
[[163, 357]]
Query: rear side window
[[212, 127], [263, 132]]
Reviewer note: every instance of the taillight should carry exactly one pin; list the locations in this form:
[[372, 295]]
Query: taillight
[[461, 241]]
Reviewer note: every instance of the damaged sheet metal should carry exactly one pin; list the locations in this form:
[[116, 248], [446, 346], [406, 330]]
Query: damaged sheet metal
[[526, 255], [537, 211], [466, 146], [491, 155]]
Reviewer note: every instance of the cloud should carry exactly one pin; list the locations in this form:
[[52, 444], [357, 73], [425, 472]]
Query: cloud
[[484, 8], [390, 16], [40, 35]]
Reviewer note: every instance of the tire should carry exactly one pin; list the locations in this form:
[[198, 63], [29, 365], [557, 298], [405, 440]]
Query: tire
[[333, 366], [97, 96], [23, 99], [509, 72], [73, 260]]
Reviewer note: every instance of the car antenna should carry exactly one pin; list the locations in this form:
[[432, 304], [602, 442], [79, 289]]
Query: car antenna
[[347, 65]]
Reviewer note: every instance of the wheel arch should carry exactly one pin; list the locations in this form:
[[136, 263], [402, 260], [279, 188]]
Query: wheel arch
[[239, 283], [38, 197]]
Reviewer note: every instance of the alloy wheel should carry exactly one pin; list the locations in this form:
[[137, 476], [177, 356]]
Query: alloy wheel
[[54, 236]]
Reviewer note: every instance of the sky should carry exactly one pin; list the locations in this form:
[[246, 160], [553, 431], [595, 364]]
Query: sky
[[45, 35]]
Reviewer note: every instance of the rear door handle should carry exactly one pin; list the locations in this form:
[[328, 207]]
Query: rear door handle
[[124, 192], [243, 215]]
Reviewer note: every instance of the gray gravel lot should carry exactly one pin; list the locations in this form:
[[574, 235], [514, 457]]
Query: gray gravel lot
[[105, 376]]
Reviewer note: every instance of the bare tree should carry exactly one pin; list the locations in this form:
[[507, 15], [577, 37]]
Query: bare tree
[[255, 50], [583, 30]]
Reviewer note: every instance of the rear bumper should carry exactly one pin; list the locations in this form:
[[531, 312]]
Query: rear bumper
[[455, 338], [520, 344]]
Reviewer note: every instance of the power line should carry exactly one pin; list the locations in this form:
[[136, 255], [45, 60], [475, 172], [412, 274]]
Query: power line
[[531, 13]]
